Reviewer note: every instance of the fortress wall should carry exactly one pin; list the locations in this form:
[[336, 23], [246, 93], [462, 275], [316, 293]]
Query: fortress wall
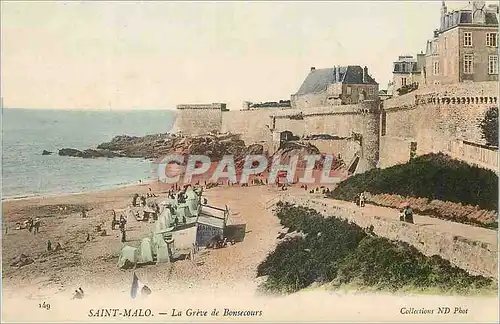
[[342, 121], [393, 150], [198, 121], [401, 122], [342, 124], [436, 117], [440, 123], [345, 147], [309, 100], [253, 125], [459, 90]]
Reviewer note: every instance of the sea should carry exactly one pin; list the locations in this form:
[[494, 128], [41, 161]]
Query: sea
[[27, 132]]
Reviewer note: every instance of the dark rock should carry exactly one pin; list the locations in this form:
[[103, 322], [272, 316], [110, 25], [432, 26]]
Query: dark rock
[[45, 152], [89, 153], [70, 152]]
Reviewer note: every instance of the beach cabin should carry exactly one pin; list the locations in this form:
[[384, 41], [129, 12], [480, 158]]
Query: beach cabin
[[210, 224]]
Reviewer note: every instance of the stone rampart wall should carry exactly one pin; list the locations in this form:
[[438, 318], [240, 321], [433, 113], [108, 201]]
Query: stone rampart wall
[[345, 147], [436, 116], [475, 257], [198, 121]]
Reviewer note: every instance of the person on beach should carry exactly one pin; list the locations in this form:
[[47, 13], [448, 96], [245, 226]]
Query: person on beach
[[408, 214], [124, 239], [362, 199], [134, 199], [36, 226], [113, 221], [49, 245], [77, 295], [143, 201], [123, 221], [30, 224]]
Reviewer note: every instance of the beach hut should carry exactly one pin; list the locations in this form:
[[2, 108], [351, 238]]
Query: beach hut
[[210, 224], [128, 253], [161, 249], [146, 250], [193, 202]]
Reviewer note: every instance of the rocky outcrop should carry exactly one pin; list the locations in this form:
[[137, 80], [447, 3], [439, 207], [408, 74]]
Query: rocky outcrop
[[45, 152], [158, 145]]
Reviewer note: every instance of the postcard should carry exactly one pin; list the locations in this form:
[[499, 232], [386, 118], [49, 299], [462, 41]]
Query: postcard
[[249, 161]]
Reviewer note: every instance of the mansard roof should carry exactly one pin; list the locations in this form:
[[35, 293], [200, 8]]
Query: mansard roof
[[464, 16], [319, 79]]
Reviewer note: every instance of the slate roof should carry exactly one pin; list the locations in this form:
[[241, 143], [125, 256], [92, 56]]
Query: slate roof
[[490, 18], [465, 17], [319, 79]]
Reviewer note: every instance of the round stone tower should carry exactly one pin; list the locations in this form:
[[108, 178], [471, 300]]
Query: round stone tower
[[370, 141]]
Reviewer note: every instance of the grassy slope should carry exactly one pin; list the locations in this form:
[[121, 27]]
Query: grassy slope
[[338, 252], [432, 176]]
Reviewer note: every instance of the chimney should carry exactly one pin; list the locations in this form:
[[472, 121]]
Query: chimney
[[365, 74], [313, 68]]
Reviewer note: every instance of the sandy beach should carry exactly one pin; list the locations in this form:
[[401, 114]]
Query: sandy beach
[[221, 278], [93, 264]]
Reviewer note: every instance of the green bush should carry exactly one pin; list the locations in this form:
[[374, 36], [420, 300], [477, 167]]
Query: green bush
[[433, 176], [336, 250], [489, 126]]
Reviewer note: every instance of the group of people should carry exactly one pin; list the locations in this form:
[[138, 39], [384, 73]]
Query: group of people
[[134, 200], [57, 248], [121, 225], [324, 190], [31, 225], [406, 214]]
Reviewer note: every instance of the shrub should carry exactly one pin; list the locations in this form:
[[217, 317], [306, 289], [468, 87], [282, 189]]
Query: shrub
[[432, 176], [489, 126], [336, 250]]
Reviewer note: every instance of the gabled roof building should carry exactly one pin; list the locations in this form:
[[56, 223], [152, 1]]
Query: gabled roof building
[[335, 86]]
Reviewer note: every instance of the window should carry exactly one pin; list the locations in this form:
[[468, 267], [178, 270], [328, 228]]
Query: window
[[403, 82], [436, 68], [492, 39], [468, 63], [371, 91], [348, 91], [493, 64], [468, 39], [446, 43]]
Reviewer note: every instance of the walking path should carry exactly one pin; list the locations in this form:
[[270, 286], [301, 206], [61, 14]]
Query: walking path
[[469, 247]]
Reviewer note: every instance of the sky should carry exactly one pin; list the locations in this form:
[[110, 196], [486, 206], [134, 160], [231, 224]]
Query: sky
[[155, 55]]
